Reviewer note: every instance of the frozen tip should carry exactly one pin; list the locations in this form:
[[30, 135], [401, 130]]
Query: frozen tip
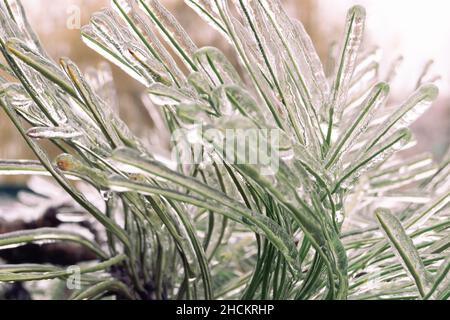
[[430, 90], [406, 133], [63, 61], [65, 162], [383, 86], [66, 63], [382, 212], [357, 11], [13, 44]]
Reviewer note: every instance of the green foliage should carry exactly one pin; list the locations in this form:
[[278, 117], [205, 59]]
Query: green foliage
[[222, 228]]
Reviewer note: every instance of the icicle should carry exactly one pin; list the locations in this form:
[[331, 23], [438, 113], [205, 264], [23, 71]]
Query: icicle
[[171, 30], [431, 210], [71, 165], [205, 9], [358, 124], [164, 95], [349, 51], [153, 68], [68, 133], [244, 102], [216, 66], [106, 35], [102, 82], [200, 83], [21, 49], [297, 50], [371, 158], [405, 115], [16, 97], [404, 249], [141, 25], [17, 14]]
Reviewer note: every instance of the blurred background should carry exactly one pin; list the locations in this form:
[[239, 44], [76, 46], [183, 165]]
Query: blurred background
[[416, 29]]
